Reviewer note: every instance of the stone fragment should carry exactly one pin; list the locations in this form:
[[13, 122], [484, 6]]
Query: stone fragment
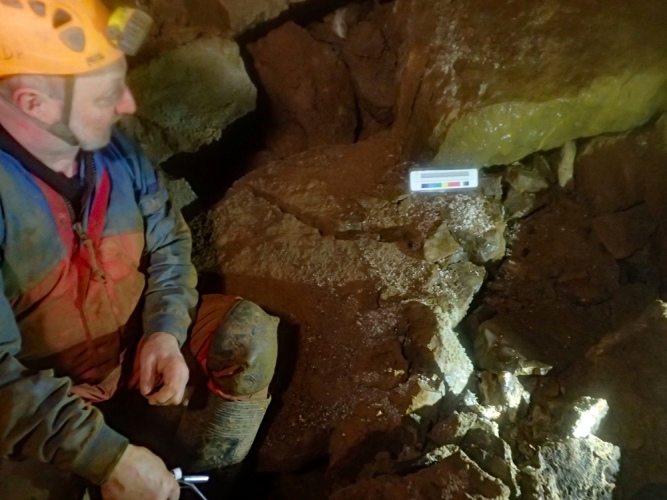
[[453, 428], [478, 225], [435, 456], [432, 348], [494, 456], [456, 476], [525, 180], [623, 233], [572, 468], [504, 391], [518, 205], [566, 166], [312, 99], [187, 96], [243, 15], [499, 349], [441, 245], [584, 417], [566, 418], [180, 193]]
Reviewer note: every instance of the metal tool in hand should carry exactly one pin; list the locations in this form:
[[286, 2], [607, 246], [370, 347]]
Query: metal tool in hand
[[190, 481]]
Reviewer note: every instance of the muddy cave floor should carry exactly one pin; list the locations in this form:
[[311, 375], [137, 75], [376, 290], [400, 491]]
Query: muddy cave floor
[[558, 288]]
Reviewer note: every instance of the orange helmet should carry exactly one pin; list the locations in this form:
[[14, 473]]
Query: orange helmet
[[55, 37]]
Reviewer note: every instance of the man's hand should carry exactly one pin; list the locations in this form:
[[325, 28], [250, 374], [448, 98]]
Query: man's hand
[[163, 373], [140, 474]]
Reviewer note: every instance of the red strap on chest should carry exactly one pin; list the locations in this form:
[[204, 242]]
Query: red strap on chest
[[98, 212]]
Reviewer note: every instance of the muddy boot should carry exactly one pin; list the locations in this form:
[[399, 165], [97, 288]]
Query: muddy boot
[[221, 433], [240, 362], [243, 351]]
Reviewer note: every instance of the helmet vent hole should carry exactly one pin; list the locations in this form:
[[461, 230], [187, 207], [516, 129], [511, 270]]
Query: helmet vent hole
[[60, 17], [38, 8], [74, 38], [12, 3]]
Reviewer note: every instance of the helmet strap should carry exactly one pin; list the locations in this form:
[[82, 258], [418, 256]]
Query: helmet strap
[[61, 129]]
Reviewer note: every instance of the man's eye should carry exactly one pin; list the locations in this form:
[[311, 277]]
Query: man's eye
[[111, 99]]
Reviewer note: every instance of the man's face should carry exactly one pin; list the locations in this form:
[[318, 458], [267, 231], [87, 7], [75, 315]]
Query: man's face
[[100, 99]]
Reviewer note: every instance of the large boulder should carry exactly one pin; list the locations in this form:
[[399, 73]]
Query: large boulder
[[188, 95], [330, 241], [312, 99], [498, 81]]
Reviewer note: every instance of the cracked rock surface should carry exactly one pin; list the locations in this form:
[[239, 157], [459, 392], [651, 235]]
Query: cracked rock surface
[[329, 241]]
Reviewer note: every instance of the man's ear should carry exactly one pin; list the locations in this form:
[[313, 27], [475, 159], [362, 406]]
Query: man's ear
[[35, 103]]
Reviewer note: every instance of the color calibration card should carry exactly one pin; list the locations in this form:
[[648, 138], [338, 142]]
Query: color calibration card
[[434, 180]]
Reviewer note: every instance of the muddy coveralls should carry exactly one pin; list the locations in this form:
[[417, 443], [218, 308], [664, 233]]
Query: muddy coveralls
[[84, 274]]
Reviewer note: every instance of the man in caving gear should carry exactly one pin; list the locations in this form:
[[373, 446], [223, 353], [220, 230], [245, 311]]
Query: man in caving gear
[[99, 290]]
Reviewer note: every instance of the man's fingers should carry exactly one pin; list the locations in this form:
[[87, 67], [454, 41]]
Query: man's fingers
[[175, 379], [148, 375], [161, 397], [175, 492]]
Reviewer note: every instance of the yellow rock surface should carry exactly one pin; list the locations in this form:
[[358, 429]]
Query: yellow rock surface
[[505, 79]]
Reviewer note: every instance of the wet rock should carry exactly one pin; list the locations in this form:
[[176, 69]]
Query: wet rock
[[456, 476], [187, 96], [572, 468], [372, 354], [204, 255], [312, 99]]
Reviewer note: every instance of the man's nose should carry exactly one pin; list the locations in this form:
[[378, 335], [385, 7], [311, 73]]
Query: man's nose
[[127, 104]]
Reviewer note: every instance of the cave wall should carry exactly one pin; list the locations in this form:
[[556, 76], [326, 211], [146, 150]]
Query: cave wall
[[379, 379]]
